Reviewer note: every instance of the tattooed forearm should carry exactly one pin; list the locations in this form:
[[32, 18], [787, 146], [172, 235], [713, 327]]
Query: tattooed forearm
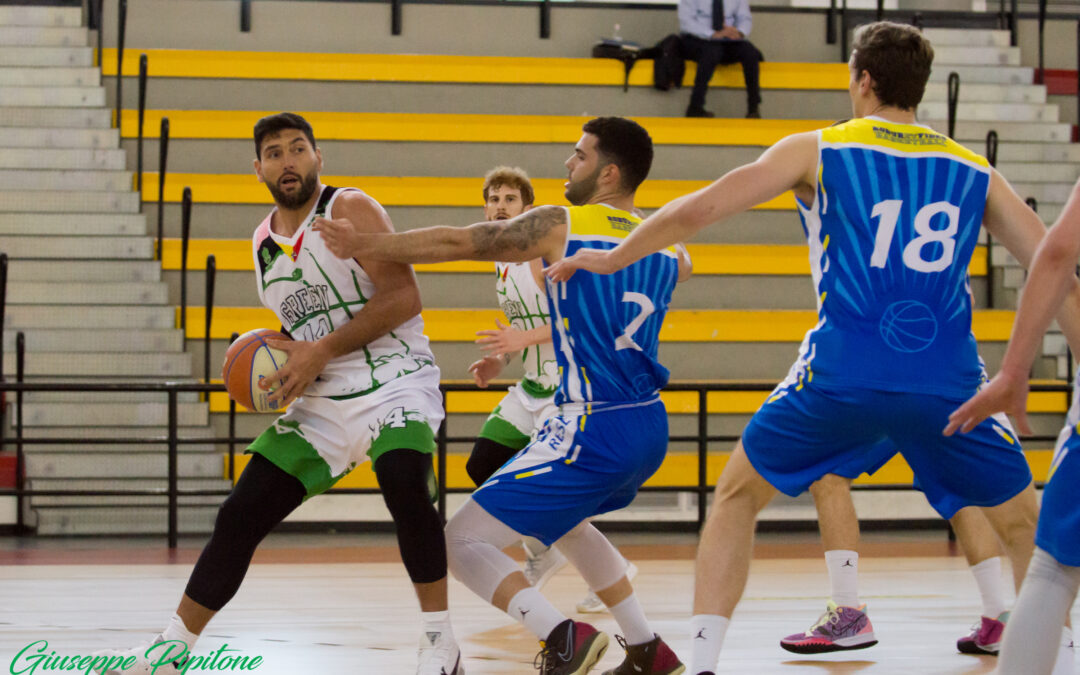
[[520, 238]]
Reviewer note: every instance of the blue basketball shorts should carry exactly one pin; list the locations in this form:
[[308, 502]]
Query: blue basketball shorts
[[1059, 520], [803, 433], [577, 466]]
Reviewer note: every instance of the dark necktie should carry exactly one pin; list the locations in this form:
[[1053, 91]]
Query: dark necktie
[[717, 14]]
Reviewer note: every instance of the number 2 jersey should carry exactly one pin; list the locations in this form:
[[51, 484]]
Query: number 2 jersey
[[606, 328], [892, 230], [313, 292]]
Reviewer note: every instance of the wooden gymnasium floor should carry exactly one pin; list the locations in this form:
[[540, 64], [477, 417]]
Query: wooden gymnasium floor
[[317, 604]]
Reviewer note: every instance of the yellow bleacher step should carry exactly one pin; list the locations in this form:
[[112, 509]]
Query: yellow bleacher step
[[678, 469], [709, 259], [717, 325], [447, 128], [193, 63], [406, 190]]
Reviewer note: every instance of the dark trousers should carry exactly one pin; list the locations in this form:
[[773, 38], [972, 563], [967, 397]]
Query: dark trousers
[[711, 53]]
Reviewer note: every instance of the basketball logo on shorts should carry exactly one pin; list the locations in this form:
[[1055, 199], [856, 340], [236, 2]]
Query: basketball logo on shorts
[[908, 326]]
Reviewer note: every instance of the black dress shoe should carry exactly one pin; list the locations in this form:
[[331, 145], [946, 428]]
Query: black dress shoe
[[753, 114], [698, 112]]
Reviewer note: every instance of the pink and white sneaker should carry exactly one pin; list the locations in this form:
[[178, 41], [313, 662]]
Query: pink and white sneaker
[[838, 629], [985, 636]]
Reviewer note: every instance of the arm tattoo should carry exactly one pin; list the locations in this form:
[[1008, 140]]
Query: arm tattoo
[[519, 234]]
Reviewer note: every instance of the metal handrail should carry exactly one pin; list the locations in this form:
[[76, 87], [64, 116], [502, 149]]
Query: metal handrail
[[245, 16], [3, 314], [1033, 203], [163, 160], [953, 100], [20, 457], [121, 29], [830, 23], [185, 244], [1040, 74], [143, 70], [211, 277]]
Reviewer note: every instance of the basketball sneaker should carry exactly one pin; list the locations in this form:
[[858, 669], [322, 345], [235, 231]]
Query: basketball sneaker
[[541, 565], [142, 664], [439, 654], [985, 637], [572, 648], [592, 602], [651, 658], [839, 628]]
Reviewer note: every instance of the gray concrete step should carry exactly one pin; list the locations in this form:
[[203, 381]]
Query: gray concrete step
[[51, 137], [974, 132], [57, 158], [133, 484], [26, 317], [91, 293], [156, 436], [99, 340], [966, 37], [43, 36], [69, 201], [85, 397], [80, 57], [990, 112], [987, 93], [1037, 152], [83, 224], [69, 17], [89, 364], [84, 271], [59, 180], [81, 248], [1039, 172], [1044, 192], [1022, 75], [72, 118], [946, 56], [125, 520], [113, 414], [66, 97], [56, 76]]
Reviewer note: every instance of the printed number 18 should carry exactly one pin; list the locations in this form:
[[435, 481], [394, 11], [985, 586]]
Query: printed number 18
[[889, 213]]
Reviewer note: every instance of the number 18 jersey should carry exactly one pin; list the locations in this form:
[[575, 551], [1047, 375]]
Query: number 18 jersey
[[606, 328], [892, 230]]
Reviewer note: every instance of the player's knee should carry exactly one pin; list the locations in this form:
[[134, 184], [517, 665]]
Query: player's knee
[[406, 480], [486, 458], [828, 485]]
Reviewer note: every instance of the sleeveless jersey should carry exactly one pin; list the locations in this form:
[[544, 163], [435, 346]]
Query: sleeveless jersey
[[525, 306], [892, 229], [313, 292], [607, 327]]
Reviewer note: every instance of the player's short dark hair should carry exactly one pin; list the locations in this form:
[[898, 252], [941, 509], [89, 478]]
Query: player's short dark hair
[[272, 125], [625, 144], [898, 58], [512, 177]]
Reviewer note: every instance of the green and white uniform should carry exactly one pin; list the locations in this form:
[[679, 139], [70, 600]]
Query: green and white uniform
[[530, 401], [382, 396]]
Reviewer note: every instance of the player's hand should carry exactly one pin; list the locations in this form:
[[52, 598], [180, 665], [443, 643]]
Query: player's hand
[[588, 259], [341, 237], [727, 33], [502, 340], [1002, 394], [486, 369], [306, 361]]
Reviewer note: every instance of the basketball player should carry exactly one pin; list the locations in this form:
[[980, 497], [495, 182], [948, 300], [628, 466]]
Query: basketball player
[[610, 434], [360, 383], [1054, 576], [892, 212]]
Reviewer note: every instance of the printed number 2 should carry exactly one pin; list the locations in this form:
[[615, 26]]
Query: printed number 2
[[626, 340], [889, 213]]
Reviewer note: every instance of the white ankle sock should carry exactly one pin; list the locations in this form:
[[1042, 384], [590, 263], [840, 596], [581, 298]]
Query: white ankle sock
[[706, 637], [631, 619], [1065, 663], [436, 622], [176, 630], [534, 611], [843, 569], [988, 579]]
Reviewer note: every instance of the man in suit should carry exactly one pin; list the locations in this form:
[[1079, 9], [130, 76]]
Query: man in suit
[[716, 32]]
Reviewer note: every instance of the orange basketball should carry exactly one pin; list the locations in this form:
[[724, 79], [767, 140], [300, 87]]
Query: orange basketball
[[247, 361]]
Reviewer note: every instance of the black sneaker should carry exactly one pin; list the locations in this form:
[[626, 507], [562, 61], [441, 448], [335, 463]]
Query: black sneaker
[[698, 112], [753, 114], [572, 648], [652, 658]]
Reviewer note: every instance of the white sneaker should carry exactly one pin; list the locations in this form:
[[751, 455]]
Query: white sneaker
[[439, 654], [592, 604], [540, 567], [150, 658]]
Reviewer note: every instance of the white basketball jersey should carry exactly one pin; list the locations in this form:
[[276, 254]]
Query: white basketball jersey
[[526, 307], [313, 292]]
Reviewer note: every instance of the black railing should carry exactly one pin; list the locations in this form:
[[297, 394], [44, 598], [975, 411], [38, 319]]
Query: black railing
[[185, 244], [163, 161], [232, 427], [880, 14], [211, 278], [121, 29], [953, 100], [395, 17], [545, 19], [991, 156], [830, 23], [3, 317], [95, 21], [1014, 24], [1040, 74], [143, 70], [20, 453], [245, 16], [1034, 204]]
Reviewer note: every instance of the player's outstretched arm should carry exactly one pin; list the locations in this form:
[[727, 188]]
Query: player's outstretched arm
[[1051, 282], [509, 340], [790, 164], [538, 233]]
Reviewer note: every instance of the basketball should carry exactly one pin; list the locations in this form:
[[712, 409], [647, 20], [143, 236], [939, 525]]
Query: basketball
[[908, 326], [247, 361]]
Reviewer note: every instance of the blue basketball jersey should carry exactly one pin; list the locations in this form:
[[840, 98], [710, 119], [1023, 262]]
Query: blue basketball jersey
[[892, 230], [606, 328]]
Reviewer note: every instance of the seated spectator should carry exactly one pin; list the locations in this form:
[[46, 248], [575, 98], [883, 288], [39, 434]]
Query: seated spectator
[[714, 32]]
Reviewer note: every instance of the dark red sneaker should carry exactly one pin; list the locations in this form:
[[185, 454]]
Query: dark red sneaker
[[572, 648], [652, 658]]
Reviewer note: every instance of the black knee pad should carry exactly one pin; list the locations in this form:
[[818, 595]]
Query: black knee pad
[[486, 458], [408, 487]]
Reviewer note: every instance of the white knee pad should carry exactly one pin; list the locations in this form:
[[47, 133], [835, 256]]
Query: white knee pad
[[474, 543]]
